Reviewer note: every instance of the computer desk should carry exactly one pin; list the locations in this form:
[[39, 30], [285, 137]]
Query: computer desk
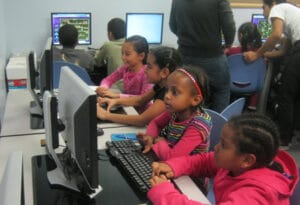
[[16, 119], [30, 147]]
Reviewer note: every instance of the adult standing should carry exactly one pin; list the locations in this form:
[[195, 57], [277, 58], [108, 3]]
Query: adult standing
[[285, 20], [198, 25]]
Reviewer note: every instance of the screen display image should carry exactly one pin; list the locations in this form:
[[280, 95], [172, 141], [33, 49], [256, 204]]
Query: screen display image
[[82, 21], [148, 25], [263, 25]]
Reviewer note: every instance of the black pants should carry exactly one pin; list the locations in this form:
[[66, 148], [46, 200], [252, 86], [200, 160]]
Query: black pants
[[288, 94]]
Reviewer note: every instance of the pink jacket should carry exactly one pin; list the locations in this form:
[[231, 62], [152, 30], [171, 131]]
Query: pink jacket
[[134, 83], [256, 187]]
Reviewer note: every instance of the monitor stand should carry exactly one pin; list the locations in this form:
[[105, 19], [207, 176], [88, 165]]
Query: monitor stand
[[116, 189], [36, 117]]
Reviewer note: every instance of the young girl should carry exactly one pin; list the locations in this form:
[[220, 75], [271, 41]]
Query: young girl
[[249, 38], [161, 62], [134, 55], [184, 127], [247, 167]]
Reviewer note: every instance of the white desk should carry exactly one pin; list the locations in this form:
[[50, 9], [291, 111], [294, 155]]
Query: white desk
[[30, 146], [16, 119]]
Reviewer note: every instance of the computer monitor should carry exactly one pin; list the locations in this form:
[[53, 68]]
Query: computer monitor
[[46, 67], [148, 25], [263, 25], [32, 74], [82, 21], [77, 166]]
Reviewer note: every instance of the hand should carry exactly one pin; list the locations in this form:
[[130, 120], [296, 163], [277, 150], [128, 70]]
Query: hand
[[250, 56], [146, 140], [159, 168], [105, 92], [101, 113], [110, 102], [155, 180]]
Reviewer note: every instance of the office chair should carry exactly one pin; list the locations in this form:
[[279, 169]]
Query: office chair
[[217, 123], [81, 72], [235, 108], [246, 78]]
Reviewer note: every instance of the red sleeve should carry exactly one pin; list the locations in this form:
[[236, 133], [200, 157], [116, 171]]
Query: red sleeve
[[158, 123], [191, 138]]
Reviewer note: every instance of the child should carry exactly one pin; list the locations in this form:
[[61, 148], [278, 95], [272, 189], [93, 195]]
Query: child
[[247, 167], [109, 54], [184, 127], [68, 38], [132, 72], [161, 62], [249, 38]]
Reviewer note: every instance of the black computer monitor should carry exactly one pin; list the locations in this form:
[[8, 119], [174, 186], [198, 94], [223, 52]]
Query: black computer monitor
[[46, 67], [82, 21], [263, 25], [148, 25], [77, 113], [32, 73]]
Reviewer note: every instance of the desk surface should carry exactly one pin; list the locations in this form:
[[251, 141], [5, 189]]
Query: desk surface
[[30, 146], [16, 119]]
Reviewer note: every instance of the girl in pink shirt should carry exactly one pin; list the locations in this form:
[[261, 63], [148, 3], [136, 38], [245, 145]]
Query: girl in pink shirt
[[247, 167], [132, 72], [184, 127]]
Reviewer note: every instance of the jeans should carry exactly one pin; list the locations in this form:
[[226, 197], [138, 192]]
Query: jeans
[[289, 92], [217, 71]]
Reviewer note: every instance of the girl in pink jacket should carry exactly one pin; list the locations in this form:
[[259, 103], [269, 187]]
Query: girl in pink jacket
[[247, 167]]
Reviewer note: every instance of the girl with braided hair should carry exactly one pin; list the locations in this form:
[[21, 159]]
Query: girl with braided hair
[[247, 166]]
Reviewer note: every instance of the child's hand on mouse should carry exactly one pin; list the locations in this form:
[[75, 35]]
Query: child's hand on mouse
[[110, 102], [146, 140]]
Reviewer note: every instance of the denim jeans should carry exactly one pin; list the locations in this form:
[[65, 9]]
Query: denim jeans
[[217, 71]]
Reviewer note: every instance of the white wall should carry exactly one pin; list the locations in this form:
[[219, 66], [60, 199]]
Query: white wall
[[2, 60], [28, 21]]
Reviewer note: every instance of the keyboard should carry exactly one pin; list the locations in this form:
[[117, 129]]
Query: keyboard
[[135, 164]]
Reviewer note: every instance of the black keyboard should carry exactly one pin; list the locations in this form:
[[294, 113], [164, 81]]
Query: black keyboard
[[137, 166]]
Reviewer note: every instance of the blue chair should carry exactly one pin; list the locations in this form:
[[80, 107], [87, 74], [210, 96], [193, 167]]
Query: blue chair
[[246, 78], [81, 72], [217, 123], [235, 108]]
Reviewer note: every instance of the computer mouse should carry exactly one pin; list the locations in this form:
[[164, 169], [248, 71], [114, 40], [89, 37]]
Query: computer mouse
[[100, 131]]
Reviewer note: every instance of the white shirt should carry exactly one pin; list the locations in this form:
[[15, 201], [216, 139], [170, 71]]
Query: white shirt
[[290, 15]]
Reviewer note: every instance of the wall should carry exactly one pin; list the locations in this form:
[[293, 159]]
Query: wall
[[2, 61], [31, 26]]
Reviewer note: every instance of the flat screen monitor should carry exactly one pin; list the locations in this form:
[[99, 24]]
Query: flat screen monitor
[[82, 21], [148, 25], [77, 114], [46, 67], [263, 25]]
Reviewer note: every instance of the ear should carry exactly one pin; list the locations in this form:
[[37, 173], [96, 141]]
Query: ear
[[164, 73], [197, 99], [248, 161]]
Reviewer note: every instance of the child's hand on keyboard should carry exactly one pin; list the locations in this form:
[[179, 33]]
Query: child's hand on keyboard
[[155, 180], [159, 168], [146, 141]]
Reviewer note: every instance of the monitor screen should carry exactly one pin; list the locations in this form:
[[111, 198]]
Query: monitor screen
[[82, 21], [263, 25], [148, 25]]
